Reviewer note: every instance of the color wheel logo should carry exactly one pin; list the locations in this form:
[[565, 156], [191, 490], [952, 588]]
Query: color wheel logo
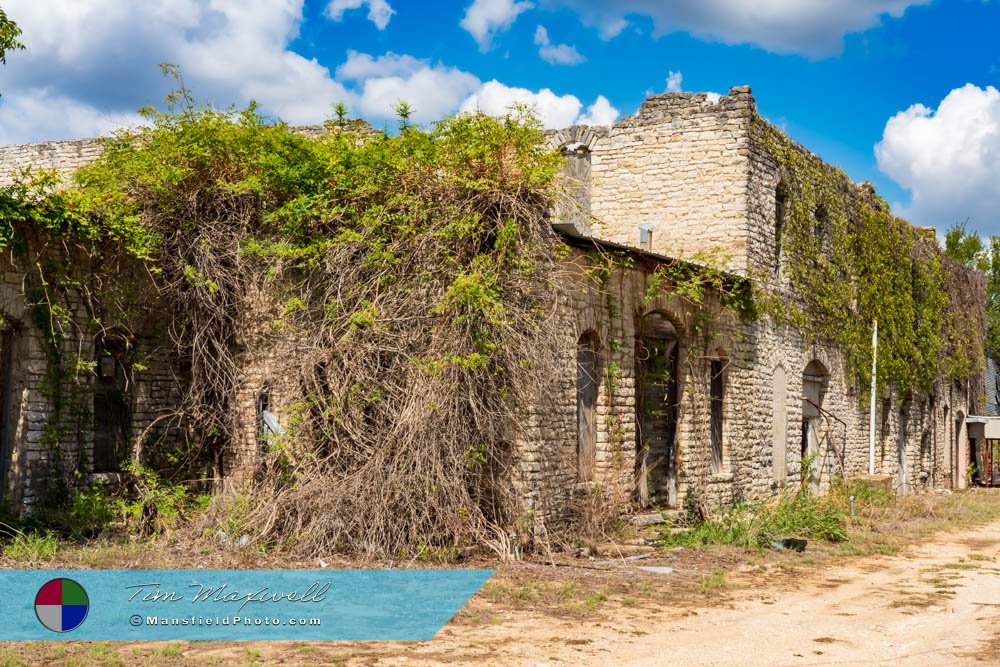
[[61, 605]]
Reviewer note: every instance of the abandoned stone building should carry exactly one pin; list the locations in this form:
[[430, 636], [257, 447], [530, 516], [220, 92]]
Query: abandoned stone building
[[647, 405], [745, 407]]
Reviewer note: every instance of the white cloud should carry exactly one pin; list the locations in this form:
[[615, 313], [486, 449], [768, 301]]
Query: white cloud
[[599, 113], [433, 91], [556, 54], [674, 81], [485, 18], [98, 58], [91, 63], [554, 111], [949, 158], [360, 66], [21, 117], [814, 28], [379, 11]]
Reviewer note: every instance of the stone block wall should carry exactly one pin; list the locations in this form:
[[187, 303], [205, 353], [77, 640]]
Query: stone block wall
[[34, 443], [693, 170], [265, 351], [681, 166], [935, 454], [63, 156], [687, 166]]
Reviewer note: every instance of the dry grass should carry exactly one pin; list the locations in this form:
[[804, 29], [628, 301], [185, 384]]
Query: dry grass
[[598, 590]]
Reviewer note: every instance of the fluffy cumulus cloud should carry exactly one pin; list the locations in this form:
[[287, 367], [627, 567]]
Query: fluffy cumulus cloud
[[22, 116], [599, 113], [91, 62], [555, 111], [379, 11], [485, 18], [815, 28], [949, 158], [555, 54], [379, 84]]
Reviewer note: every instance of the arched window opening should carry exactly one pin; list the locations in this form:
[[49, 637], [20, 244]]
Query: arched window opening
[[821, 222], [903, 470], [267, 424], [956, 449], [8, 336], [779, 432], [815, 379], [587, 386], [575, 208]]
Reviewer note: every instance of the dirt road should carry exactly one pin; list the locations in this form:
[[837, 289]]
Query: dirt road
[[938, 605]]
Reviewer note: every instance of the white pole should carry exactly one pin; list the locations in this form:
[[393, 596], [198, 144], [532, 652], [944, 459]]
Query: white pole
[[871, 420]]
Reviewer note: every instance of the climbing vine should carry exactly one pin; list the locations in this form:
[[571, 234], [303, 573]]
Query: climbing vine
[[402, 282], [849, 261]]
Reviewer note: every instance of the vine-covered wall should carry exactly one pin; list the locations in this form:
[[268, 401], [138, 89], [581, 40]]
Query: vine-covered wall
[[65, 374], [831, 258], [825, 257]]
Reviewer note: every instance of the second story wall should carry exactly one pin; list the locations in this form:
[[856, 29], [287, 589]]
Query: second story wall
[[681, 166]]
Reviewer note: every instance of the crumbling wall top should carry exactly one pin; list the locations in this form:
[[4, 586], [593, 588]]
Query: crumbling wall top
[[658, 108]]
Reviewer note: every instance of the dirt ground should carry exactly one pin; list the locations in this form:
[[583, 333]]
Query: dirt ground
[[936, 602]]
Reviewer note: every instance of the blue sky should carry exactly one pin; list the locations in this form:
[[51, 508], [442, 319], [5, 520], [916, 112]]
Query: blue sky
[[899, 92]]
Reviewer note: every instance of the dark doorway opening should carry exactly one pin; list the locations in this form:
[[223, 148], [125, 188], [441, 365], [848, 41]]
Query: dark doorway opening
[[7, 339], [111, 409], [657, 402]]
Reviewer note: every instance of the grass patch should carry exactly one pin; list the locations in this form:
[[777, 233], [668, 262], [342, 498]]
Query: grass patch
[[712, 582], [881, 524], [33, 547], [170, 651], [961, 566], [754, 526]]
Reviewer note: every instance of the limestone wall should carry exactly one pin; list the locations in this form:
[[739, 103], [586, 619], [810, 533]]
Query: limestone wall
[[63, 156], [679, 164], [36, 442], [935, 452], [687, 166]]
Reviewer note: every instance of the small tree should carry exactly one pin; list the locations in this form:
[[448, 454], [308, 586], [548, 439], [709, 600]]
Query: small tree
[[9, 32], [968, 248], [405, 112]]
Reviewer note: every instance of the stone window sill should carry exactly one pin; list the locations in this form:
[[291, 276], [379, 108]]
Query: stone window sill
[[720, 478]]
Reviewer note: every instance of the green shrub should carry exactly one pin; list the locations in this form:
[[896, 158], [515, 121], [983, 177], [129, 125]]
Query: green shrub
[[753, 526], [88, 513], [154, 505]]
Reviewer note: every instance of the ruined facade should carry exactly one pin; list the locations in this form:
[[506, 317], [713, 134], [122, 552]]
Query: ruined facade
[[647, 407], [751, 409]]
